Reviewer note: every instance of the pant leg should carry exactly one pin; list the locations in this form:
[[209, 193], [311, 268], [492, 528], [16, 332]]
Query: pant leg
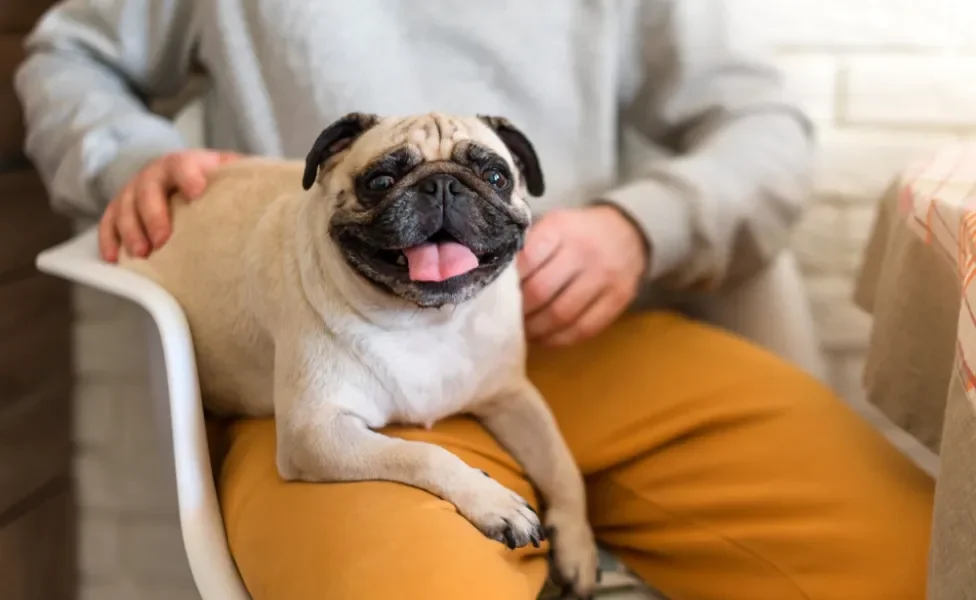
[[716, 471], [371, 540]]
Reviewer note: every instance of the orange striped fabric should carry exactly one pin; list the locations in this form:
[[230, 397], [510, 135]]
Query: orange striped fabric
[[938, 197]]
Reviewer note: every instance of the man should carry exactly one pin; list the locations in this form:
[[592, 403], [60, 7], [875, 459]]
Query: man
[[713, 469]]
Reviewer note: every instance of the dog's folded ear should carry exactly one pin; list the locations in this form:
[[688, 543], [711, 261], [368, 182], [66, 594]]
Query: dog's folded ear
[[522, 151], [334, 139]]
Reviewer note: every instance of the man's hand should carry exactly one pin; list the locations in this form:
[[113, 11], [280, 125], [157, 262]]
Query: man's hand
[[580, 270], [139, 216]]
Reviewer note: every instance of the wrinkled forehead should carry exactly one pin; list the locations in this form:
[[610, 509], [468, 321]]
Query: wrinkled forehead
[[434, 137]]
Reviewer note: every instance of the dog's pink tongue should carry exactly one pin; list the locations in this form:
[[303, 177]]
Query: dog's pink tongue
[[439, 261]]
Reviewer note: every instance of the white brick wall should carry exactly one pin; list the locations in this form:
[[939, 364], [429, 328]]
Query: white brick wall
[[910, 92], [886, 80]]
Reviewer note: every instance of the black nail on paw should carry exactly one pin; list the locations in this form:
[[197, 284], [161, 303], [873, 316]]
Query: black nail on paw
[[485, 473], [540, 534], [509, 536]]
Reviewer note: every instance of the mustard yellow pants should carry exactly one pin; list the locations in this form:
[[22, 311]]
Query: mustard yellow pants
[[714, 470]]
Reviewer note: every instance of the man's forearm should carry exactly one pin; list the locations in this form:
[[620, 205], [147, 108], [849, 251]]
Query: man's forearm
[[87, 130], [718, 213]]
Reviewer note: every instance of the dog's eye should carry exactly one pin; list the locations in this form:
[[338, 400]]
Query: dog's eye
[[495, 178], [379, 183]]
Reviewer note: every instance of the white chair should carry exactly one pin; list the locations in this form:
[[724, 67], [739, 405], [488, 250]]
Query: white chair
[[772, 310], [176, 395]]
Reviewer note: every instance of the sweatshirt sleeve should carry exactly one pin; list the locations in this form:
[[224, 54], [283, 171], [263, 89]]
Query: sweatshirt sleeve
[[721, 206], [90, 67]]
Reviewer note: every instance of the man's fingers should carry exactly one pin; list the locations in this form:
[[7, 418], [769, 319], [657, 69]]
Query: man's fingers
[[566, 308], [226, 157], [108, 236], [190, 177], [139, 217], [541, 245], [152, 205], [548, 281], [130, 230], [600, 314]]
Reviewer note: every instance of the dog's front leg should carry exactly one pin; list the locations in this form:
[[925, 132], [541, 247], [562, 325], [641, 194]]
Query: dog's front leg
[[333, 446], [323, 436], [521, 421]]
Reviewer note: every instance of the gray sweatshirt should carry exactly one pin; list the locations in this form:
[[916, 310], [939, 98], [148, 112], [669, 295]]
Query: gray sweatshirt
[[651, 105]]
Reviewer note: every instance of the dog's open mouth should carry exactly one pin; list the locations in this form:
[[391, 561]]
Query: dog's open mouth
[[439, 258]]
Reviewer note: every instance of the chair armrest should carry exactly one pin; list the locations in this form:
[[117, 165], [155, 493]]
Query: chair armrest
[[213, 569]]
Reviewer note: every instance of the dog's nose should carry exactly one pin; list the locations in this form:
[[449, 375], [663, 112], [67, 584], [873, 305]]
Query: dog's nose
[[441, 186]]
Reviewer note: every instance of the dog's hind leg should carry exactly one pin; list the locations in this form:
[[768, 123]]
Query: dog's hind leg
[[521, 422]]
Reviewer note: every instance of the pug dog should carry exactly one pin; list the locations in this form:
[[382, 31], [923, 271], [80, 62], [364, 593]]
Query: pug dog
[[381, 290]]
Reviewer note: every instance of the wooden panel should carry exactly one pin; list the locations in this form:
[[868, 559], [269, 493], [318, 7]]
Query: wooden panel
[[37, 549], [19, 16], [11, 115], [37, 514], [35, 329], [35, 385], [35, 441], [27, 224], [17, 19]]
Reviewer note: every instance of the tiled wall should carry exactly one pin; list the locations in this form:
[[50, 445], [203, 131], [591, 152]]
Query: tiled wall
[[887, 80]]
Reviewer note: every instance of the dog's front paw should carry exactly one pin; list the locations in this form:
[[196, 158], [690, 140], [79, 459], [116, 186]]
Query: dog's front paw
[[500, 513], [574, 552]]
